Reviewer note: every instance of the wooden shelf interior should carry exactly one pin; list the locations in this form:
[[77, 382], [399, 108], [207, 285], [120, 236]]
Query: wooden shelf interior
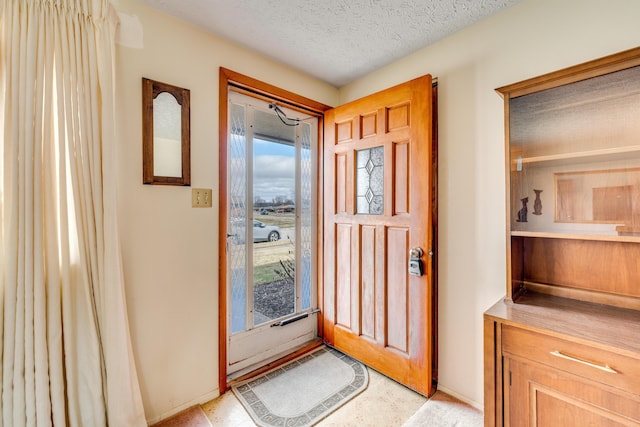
[[599, 266], [573, 146]]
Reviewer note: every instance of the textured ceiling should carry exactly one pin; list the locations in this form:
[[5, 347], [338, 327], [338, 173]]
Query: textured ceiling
[[336, 41]]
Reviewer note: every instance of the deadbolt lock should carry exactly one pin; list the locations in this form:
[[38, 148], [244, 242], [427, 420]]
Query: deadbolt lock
[[416, 267]]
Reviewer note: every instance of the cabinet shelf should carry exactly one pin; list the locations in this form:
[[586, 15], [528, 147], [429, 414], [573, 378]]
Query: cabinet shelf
[[576, 236], [604, 154], [607, 326]]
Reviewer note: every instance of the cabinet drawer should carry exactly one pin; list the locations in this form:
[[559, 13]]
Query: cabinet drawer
[[604, 366]]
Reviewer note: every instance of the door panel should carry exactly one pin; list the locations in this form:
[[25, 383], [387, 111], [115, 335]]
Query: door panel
[[401, 178], [341, 183], [397, 292], [378, 185], [368, 282], [542, 396], [343, 275]]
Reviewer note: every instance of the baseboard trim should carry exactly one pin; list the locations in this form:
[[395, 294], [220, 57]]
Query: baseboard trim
[[460, 397], [186, 405]]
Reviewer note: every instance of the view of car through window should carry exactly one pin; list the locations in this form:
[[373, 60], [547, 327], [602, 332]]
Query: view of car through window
[[265, 233]]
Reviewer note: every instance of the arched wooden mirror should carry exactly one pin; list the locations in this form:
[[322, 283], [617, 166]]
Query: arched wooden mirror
[[165, 134]]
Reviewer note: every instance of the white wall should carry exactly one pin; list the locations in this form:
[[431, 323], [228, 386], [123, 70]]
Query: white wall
[[526, 40], [170, 249]]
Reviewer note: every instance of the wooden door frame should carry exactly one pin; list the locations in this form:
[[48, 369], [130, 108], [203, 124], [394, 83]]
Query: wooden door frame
[[264, 91]]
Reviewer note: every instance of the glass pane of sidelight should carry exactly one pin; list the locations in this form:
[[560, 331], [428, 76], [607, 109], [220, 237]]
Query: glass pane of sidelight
[[237, 217], [370, 181], [306, 212]]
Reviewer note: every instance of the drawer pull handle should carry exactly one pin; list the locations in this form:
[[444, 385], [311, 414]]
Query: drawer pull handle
[[605, 368]]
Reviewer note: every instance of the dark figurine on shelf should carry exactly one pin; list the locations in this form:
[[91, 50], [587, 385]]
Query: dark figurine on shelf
[[522, 213], [537, 203]]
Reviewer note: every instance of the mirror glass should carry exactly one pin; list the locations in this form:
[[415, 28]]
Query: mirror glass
[[167, 136]]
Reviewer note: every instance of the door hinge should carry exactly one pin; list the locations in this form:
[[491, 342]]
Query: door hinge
[[509, 378]]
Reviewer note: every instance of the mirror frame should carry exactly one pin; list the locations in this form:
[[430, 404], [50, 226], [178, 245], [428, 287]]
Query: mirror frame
[[150, 90]]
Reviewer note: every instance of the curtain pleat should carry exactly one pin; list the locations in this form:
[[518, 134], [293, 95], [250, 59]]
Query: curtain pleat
[[65, 346]]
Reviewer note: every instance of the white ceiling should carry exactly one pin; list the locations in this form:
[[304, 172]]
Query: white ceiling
[[336, 41]]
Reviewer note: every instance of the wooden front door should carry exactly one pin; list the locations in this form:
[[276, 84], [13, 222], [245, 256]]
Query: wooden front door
[[379, 199]]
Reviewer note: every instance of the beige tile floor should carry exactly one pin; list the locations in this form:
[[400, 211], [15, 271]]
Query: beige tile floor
[[383, 403]]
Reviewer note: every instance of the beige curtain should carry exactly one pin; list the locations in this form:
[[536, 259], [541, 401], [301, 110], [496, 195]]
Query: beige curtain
[[65, 346]]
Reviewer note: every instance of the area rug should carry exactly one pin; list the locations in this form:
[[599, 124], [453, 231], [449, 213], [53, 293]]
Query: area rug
[[443, 410], [304, 391]]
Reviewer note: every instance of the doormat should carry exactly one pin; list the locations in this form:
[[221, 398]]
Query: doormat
[[304, 391]]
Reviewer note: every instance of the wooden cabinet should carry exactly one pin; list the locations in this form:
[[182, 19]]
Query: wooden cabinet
[[548, 356], [563, 347], [544, 396]]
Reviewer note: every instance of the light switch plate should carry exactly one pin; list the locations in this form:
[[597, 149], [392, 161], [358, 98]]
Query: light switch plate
[[201, 197]]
